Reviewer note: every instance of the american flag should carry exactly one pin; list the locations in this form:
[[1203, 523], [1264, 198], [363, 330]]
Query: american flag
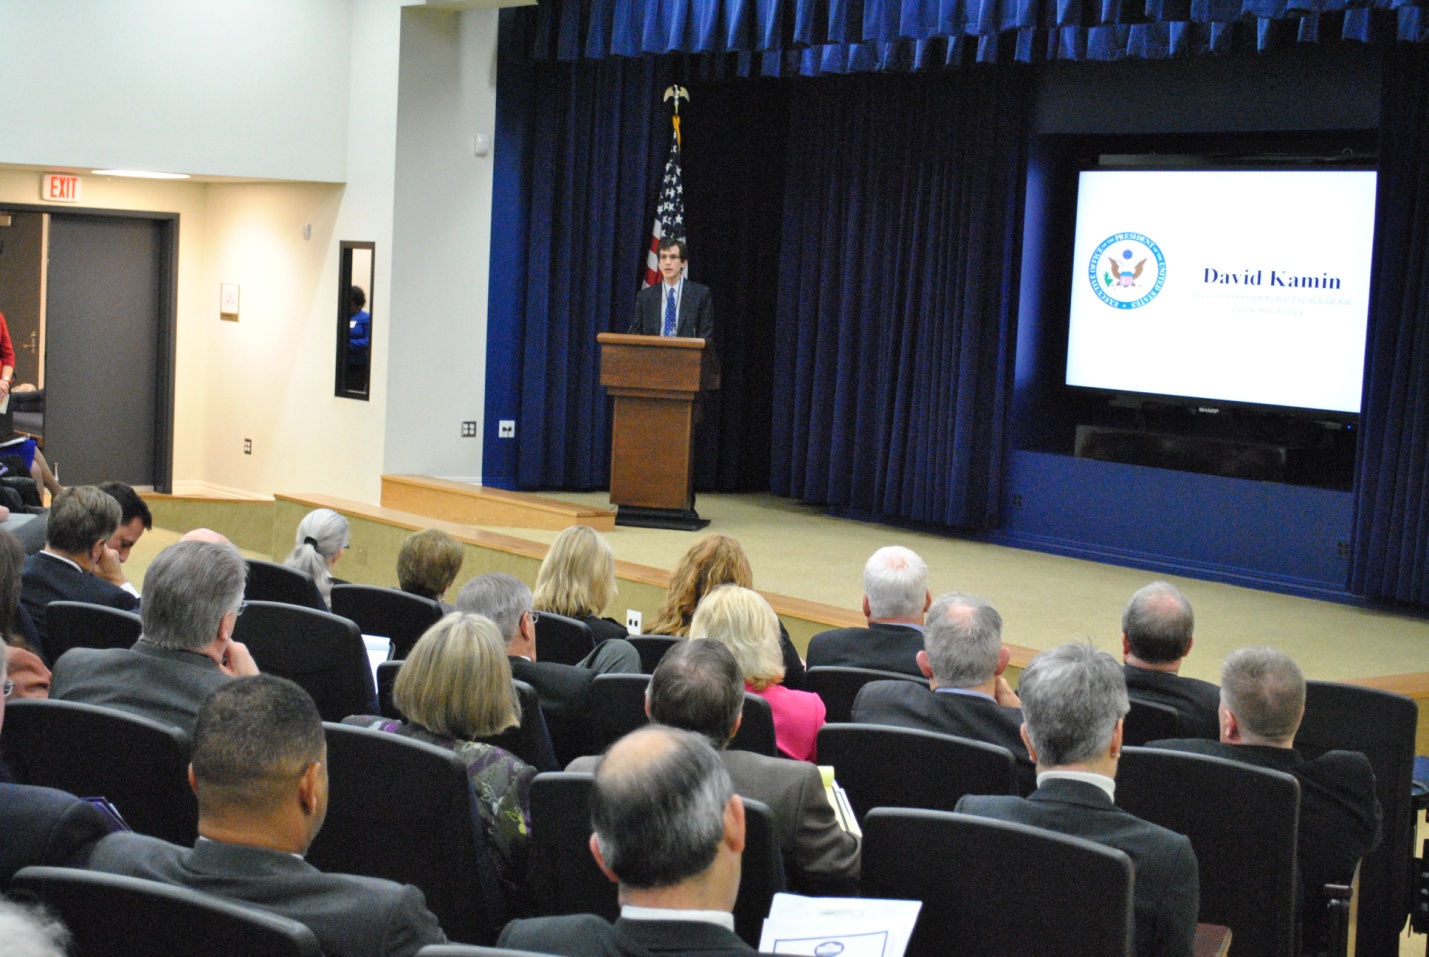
[[670, 212]]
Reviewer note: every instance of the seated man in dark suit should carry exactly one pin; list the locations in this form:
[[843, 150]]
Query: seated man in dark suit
[[670, 830], [564, 690], [1074, 699], [967, 695], [260, 772], [73, 566], [698, 687], [41, 825], [895, 598], [1156, 634], [1262, 704], [186, 649]]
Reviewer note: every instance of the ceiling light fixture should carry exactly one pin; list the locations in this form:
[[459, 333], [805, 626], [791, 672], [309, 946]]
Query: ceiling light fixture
[[139, 174]]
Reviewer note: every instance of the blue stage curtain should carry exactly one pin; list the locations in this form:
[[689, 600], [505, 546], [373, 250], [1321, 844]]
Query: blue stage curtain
[[896, 309], [1390, 555], [813, 37]]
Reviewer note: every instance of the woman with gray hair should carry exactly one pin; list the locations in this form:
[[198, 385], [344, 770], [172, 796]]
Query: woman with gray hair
[[321, 539]]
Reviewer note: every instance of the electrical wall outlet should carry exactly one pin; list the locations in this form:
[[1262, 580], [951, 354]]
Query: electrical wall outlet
[[247, 446], [632, 621], [506, 429], [468, 430], [360, 552]]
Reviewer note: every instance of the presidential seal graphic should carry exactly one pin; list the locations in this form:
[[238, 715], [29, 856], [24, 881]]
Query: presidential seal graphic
[[1127, 270]]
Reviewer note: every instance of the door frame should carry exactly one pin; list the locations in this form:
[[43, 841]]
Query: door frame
[[166, 333]]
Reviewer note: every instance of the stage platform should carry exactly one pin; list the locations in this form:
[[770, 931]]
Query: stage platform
[[810, 567]]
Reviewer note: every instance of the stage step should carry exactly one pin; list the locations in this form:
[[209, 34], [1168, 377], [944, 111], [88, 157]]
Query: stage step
[[478, 505]]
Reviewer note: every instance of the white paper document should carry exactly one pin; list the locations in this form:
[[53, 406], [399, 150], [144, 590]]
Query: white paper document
[[378, 648], [838, 926]]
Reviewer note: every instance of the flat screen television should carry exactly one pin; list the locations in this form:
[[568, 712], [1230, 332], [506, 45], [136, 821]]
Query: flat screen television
[[1237, 286]]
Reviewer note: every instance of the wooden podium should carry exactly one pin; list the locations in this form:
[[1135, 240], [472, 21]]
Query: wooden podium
[[656, 383]]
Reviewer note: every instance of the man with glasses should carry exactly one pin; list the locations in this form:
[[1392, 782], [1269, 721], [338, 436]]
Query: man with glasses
[[564, 690], [193, 597]]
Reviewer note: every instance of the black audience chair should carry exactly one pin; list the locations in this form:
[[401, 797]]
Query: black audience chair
[[1149, 721], [471, 950], [616, 708], [322, 652], [564, 877], [996, 888], [565, 641], [652, 648], [401, 809], [139, 764], [270, 581], [78, 624], [1242, 823], [531, 741], [756, 728], [396, 615], [838, 686], [114, 916], [880, 766], [1381, 725]]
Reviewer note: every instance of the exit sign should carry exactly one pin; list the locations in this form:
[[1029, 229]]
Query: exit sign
[[59, 188]]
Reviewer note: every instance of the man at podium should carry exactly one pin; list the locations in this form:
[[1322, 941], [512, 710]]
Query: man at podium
[[676, 306]]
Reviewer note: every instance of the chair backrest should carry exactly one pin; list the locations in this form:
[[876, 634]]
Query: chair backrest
[[530, 741], [139, 764], [1242, 823], [401, 809], [320, 651], [393, 614], [564, 877], [562, 640], [652, 648], [756, 728], [1149, 721], [78, 624], [114, 916], [1381, 725], [471, 950], [880, 766], [270, 581], [996, 887], [616, 707], [838, 686]]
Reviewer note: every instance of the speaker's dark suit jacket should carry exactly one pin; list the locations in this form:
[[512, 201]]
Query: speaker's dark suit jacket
[[695, 318], [1197, 702], [46, 578], [152, 682], [816, 850], [880, 646], [1339, 814], [45, 827], [586, 935], [351, 916], [1167, 893], [906, 705]]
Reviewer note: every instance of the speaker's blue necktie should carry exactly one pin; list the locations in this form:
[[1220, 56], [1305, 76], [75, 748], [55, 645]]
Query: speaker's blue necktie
[[669, 328]]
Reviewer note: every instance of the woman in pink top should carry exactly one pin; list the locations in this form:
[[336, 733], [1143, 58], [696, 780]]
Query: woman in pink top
[[743, 622]]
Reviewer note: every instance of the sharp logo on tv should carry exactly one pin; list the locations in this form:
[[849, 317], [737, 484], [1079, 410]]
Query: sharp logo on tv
[[1127, 270]]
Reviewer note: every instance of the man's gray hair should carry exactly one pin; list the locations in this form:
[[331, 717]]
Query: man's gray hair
[[80, 516], [1158, 623], [187, 591], [895, 580], [501, 597], [28, 930], [1072, 697], [963, 639], [1265, 690], [659, 820]]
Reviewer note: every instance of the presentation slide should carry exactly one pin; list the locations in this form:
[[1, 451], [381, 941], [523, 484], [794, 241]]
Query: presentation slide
[[1223, 285]]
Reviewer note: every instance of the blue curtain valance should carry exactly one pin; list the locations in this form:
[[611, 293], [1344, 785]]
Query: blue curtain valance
[[815, 37]]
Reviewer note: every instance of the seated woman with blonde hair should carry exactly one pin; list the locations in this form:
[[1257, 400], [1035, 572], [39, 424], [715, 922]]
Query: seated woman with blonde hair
[[577, 579], [742, 621], [712, 561], [428, 563], [455, 687]]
